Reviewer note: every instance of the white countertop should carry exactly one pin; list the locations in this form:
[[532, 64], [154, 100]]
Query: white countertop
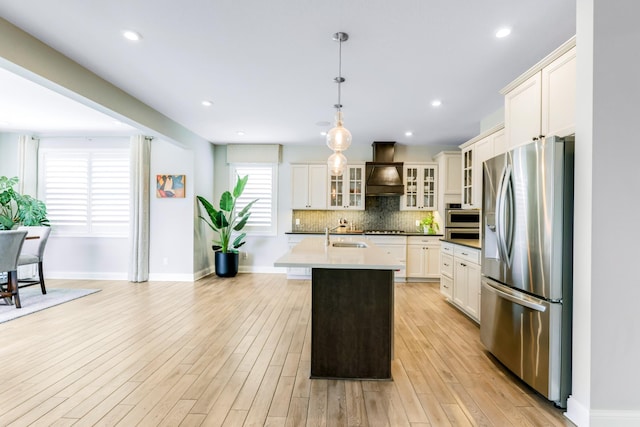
[[313, 253]]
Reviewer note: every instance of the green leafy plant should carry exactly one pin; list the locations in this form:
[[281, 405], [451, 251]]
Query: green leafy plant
[[429, 222], [16, 208], [225, 220]]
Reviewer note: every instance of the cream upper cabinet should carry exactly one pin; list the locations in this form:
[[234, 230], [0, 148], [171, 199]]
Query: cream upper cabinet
[[475, 152], [449, 185], [467, 177], [522, 112], [542, 101], [347, 191], [308, 186], [559, 95], [420, 187]]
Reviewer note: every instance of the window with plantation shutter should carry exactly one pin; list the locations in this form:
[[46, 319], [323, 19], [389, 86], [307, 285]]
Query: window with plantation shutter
[[262, 185], [86, 190]]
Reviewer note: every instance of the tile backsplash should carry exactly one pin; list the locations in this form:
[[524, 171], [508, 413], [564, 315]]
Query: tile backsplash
[[381, 213]]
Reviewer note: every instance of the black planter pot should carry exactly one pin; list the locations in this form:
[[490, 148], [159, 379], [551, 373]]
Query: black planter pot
[[227, 264]]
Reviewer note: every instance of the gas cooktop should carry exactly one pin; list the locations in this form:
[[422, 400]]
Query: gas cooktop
[[384, 231]]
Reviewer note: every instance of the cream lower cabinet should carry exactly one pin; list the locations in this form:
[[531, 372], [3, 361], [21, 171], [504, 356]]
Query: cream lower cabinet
[[423, 257], [396, 247], [446, 271], [460, 278], [297, 272]]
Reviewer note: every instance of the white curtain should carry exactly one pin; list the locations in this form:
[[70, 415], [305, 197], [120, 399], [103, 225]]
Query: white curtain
[[28, 183], [28, 165], [139, 224]]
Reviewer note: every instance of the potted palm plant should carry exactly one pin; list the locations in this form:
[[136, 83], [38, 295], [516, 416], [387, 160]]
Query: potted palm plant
[[225, 222]]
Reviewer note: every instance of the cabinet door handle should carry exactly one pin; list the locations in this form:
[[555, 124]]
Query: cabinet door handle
[[463, 264], [464, 253]]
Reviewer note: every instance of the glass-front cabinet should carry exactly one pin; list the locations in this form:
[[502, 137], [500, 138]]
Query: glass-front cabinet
[[347, 191], [467, 178], [420, 187]]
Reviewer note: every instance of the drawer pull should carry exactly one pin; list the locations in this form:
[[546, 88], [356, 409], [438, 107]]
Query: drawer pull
[[465, 254], [463, 264]]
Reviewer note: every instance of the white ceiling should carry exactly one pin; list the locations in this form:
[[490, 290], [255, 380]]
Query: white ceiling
[[268, 66]]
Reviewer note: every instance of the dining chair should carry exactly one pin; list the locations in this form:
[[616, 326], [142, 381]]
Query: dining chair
[[33, 253], [11, 242]]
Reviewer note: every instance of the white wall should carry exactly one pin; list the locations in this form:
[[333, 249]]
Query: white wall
[[606, 289], [9, 153], [108, 258], [203, 258], [263, 251], [171, 219]]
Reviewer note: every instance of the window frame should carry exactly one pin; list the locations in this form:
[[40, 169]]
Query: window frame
[[233, 174], [88, 149]]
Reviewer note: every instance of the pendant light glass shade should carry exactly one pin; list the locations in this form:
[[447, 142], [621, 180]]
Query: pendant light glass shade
[[337, 163], [339, 138]]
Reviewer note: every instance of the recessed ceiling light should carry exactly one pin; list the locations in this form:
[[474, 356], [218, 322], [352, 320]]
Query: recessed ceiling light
[[132, 35], [240, 133], [408, 133], [436, 103], [503, 32], [323, 133], [207, 103]]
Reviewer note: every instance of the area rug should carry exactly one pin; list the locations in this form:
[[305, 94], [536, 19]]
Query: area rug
[[32, 300]]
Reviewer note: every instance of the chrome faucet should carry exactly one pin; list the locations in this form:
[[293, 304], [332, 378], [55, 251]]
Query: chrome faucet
[[327, 242], [341, 223]]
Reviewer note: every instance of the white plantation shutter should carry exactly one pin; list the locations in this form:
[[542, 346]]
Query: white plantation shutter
[[87, 190], [262, 186]]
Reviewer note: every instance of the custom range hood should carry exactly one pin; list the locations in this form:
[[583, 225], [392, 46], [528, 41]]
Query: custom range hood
[[383, 175]]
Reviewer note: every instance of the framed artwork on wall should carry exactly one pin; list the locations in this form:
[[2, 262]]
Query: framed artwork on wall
[[170, 186]]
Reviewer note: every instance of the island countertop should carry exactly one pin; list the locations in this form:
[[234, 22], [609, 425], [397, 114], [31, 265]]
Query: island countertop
[[312, 253]]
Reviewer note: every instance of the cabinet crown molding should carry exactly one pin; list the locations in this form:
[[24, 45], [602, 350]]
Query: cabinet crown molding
[[482, 136], [564, 48]]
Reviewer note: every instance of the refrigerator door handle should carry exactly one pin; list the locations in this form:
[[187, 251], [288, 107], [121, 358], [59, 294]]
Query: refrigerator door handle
[[517, 298], [508, 214], [500, 216], [504, 215]]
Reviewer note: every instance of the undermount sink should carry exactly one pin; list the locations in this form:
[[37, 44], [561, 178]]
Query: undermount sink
[[349, 245]]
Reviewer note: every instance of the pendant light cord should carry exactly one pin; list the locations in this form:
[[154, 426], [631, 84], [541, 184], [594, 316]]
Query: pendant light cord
[[339, 72]]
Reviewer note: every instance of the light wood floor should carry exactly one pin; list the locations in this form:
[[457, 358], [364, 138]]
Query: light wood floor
[[236, 352]]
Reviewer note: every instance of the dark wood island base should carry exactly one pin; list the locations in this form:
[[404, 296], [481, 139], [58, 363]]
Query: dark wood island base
[[351, 323]]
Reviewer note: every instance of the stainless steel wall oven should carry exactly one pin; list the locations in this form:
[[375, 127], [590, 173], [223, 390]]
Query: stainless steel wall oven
[[462, 224], [462, 218]]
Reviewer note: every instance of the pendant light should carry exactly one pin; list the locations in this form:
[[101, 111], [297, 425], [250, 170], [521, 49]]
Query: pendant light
[[337, 163], [338, 138]]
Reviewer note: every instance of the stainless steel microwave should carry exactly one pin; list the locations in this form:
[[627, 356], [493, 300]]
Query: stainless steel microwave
[[462, 218]]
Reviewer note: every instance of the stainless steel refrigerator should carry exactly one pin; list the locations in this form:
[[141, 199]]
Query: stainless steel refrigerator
[[527, 263]]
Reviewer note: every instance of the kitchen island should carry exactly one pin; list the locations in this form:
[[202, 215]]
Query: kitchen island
[[351, 306]]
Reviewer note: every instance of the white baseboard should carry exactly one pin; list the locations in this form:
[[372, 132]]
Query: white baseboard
[[621, 418], [577, 412], [582, 417], [164, 277], [262, 269], [75, 275]]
